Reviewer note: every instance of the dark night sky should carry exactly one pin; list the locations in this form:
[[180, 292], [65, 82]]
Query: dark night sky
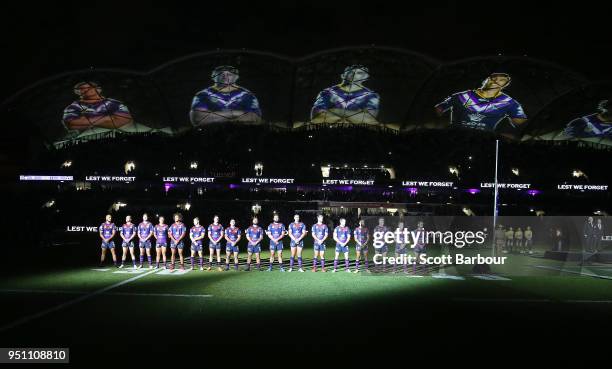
[[42, 40]]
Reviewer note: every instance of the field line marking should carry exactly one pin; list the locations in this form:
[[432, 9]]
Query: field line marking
[[50, 310], [106, 294], [572, 272]]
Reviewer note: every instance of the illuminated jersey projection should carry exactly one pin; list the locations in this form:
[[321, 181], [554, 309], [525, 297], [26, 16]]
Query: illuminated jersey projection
[[224, 101], [93, 110], [483, 108], [347, 102], [594, 125]]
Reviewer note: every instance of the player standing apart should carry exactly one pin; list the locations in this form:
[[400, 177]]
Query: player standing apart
[[320, 232], [161, 241], [177, 233], [528, 240], [215, 234], [400, 247], [382, 230], [127, 233], [276, 231], [254, 235], [107, 232], [419, 246], [509, 240], [197, 234], [233, 235], [297, 232], [342, 236], [145, 232], [361, 235], [518, 240]]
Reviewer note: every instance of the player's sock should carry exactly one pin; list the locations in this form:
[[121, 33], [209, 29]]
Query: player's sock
[[227, 266], [346, 263], [322, 263], [248, 266], [258, 265], [191, 258], [367, 263], [300, 262], [149, 260], [201, 261], [357, 264], [210, 263], [291, 259], [236, 265], [314, 262], [335, 263], [280, 264], [141, 259], [405, 267]]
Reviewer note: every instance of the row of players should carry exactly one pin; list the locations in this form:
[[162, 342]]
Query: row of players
[[510, 240], [177, 232]]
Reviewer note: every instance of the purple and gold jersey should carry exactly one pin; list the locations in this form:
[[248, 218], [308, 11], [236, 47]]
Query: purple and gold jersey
[[469, 109], [195, 232], [145, 229], [589, 126], [361, 234], [94, 111], [336, 97], [233, 233], [106, 229], [297, 229], [161, 233], [216, 232], [127, 230], [342, 233], [320, 231], [254, 232], [276, 230], [212, 99], [177, 230]]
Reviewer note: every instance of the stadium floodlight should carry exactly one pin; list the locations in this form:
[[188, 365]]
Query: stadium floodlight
[[67, 164], [129, 166], [577, 173], [515, 171], [193, 165], [453, 170]]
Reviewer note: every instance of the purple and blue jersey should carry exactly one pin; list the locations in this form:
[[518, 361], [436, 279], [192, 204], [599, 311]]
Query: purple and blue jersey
[[195, 232], [177, 230], [469, 109], [215, 232], [106, 229], [342, 234], [95, 110], [127, 230], [361, 234], [319, 231], [336, 97], [589, 126], [212, 99], [296, 230], [233, 233], [145, 229], [255, 233], [161, 233], [276, 230]]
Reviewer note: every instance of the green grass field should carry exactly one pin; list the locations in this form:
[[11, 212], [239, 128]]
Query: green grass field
[[65, 303]]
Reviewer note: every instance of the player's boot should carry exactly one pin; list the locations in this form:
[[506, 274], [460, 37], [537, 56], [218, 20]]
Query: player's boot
[[314, 269], [121, 266], [290, 270], [282, 269], [348, 270], [335, 270], [140, 266], [269, 269], [323, 270], [201, 268], [301, 270]]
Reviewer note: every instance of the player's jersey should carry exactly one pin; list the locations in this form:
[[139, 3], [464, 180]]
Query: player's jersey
[[216, 232], [127, 230], [276, 229], [420, 240], [320, 231], [361, 234], [382, 230], [233, 233], [161, 233], [528, 235], [106, 229], [336, 97], [212, 99], [588, 126], [177, 230], [509, 235], [469, 109], [95, 110], [342, 233], [518, 235], [254, 232], [145, 229], [195, 232], [297, 229]]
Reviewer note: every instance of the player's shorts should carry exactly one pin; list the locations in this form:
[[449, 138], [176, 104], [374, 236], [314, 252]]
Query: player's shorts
[[363, 248], [298, 244], [144, 244], [174, 245], [126, 244], [276, 247], [254, 249], [401, 250], [419, 249], [229, 248], [320, 247], [214, 246], [342, 249], [196, 246], [108, 245], [159, 244], [381, 250]]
